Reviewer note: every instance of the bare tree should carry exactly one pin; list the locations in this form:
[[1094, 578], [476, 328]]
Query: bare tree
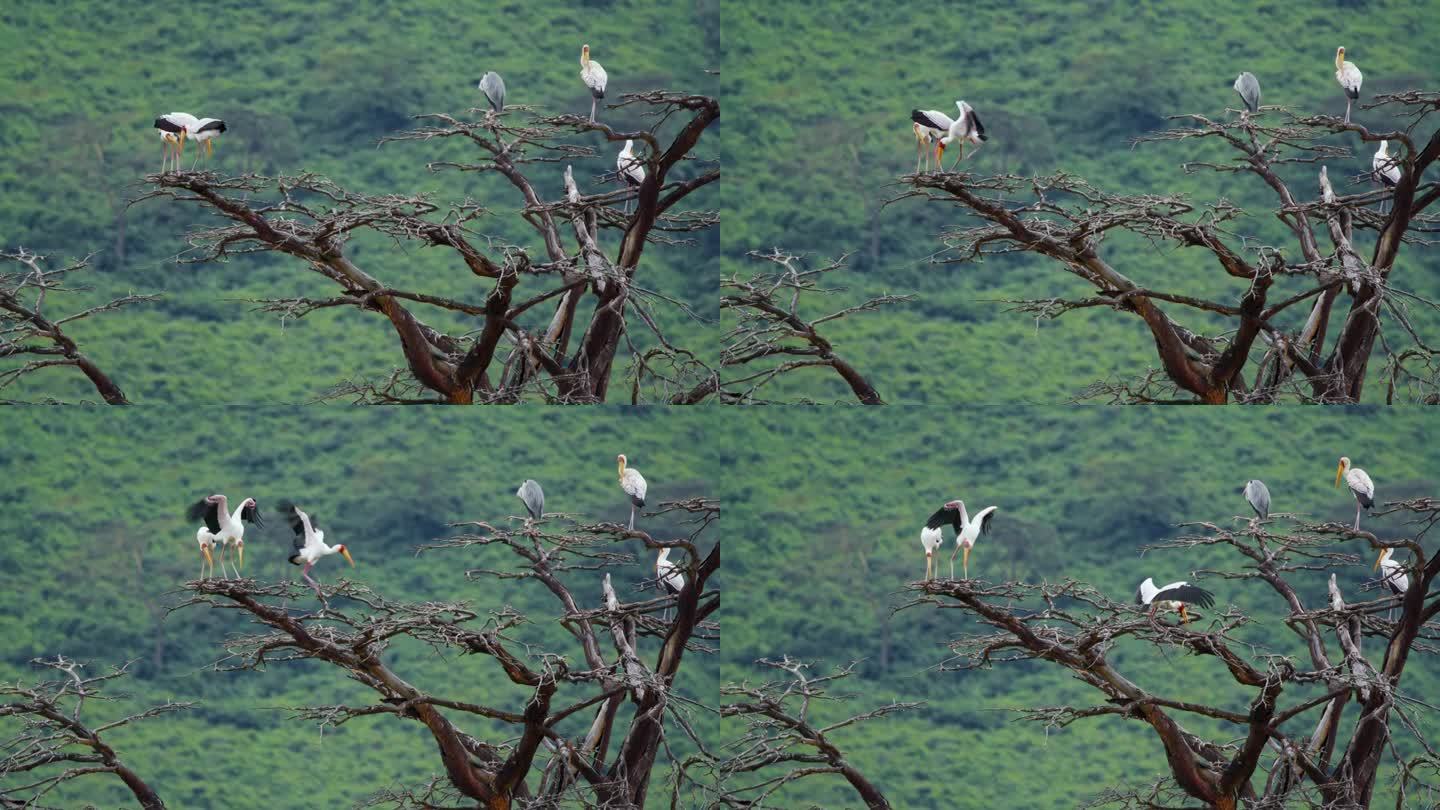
[[784, 741], [1313, 757], [55, 743], [543, 766], [312, 219], [771, 338], [1066, 219], [29, 333]]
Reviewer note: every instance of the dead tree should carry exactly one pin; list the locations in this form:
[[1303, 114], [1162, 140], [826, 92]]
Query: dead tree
[[552, 759], [55, 743], [783, 741], [1214, 359], [509, 356], [770, 338], [1341, 652], [30, 334]]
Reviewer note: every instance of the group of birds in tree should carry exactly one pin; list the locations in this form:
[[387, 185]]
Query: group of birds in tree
[[220, 528], [1384, 169], [933, 126], [176, 127], [1176, 596]]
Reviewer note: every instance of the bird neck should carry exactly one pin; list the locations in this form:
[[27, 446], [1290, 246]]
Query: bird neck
[[235, 516], [964, 516], [1339, 61]]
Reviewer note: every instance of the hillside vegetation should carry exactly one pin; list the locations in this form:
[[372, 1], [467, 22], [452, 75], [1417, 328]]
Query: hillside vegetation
[[96, 547], [832, 508], [304, 87], [820, 133]]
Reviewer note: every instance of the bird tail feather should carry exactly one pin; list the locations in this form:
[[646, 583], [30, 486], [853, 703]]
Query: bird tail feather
[[1353, 94], [1365, 501]]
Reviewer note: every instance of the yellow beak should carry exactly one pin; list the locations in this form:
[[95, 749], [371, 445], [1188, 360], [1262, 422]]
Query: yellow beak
[[965, 557], [346, 553], [1376, 567], [240, 551], [1338, 472], [211, 560]]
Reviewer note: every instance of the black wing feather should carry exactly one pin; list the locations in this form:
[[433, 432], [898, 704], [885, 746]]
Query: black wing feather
[[919, 117], [985, 523], [216, 126], [1189, 594], [203, 509], [168, 125], [979, 127], [943, 516], [251, 514]]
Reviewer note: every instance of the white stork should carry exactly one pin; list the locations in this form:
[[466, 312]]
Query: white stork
[[494, 89], [174, 128], [225, 527], [310, 544], [205, 131], [967, 529], [668, 574], [206, 539], [594, 77], [1175, 596], [633, 483], [965, 129], [533, 497], [1258, 496], [1360, 486], [629, 168], [932, 125], [1249, 89], [1349, 78], [1385, 169], [1392, 575]]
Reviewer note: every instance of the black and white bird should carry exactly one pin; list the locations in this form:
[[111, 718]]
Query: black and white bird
[[206, 539], [1175, 596], [930, 126], [174, 128], [1392, 575], [922, 144], [310, 544], [225, 528], [967, 529], [494, 89], [633, 483], [932, 536], [1360, 486], [594, 77], [1349, 78], [533, 497], [1258, 496], [1385, 169], [965, 129], [1249, 89], [205, 132], [630, 169], [668, 575]]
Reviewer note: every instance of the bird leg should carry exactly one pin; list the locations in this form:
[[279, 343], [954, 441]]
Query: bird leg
[[952, 561], [1347, 109], [1184, 617], [305, 572], [593, 100], [1357, 516], [929, 562], [632, 517], [961, 150]]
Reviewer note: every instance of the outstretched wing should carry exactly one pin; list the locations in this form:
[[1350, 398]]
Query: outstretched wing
[[986, 515], [1187, 593], [204, 510], [975, 122], [943, 516], [251, 514], [933, 119]]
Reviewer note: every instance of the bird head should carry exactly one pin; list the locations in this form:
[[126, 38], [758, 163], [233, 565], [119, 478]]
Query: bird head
[[215, 499], [1384, 555], [345, 552], [621, 460], [1339, 471], [1340, 56], [585, 54], [954, 504]]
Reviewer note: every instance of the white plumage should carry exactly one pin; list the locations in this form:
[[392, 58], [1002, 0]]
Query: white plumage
[[207, 542], [1349, 78], [965, 129], [1175, 596], [668, 573], [930, 540], [174, 128], [1360, 486], [629, 168], [1385, 168], [310, 544], [222, 528], [204, 132], [594, 77], [633, 484], [930, 126]]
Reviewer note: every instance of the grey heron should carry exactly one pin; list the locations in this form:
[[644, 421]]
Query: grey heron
[[494, 89], [533, 497], [1249, 89], [1258, 496]]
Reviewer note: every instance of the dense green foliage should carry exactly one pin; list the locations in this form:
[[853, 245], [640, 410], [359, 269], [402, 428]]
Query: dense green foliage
[[95, 545], [306, 86], [820, 132], [831, 506]]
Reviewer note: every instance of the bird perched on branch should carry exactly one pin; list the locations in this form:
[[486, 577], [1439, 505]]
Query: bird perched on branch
[[633, 484], [930, 126], [310, 544], [629, 168], [1175, 596], [224, 528], [965, 129], [1349, 78], [174, 128], [1360, 486], [594, 77], [1258, 496], [533, 497], [1249, 89], [1385, 169], [494, 89], [205, 132]]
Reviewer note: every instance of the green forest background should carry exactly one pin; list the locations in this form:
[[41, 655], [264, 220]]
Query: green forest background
[[307, 86], [95, 545], [830, 505], [819, 96]]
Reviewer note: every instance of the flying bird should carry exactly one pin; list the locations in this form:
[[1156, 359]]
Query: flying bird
[[629, 168], [594, 77], [1258, 496], [965, 129], [1360, 486], [174, 128], [967, 529], [1249, 89], [1349, 78], [494, 89], [225, 528], [310, 544], [533, 496], [633, 483], [205, 131], [1175, 596]]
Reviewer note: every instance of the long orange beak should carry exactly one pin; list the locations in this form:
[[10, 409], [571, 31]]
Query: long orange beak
[[346, 553], [1339, 471], [1378, 560], [206, 551], [240, 550]]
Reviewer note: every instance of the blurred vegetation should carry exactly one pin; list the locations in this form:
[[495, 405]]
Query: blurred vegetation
[[305, 87], [831, 505], [95, 545], [819, 97]]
